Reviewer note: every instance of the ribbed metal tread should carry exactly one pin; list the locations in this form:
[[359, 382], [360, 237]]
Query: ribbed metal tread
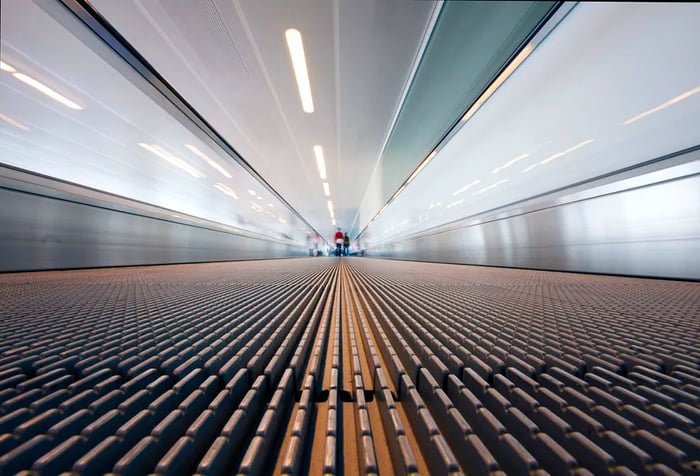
[[347, 366]]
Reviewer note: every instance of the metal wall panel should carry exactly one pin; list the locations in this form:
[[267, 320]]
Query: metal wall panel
[[40, 232], [652, 230]]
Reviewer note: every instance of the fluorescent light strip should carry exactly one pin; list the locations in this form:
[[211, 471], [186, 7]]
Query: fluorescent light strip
[[252, 192], [176, 161], [465, 188], [517, 61], [6, 67], [12, 122], [450, 205], [422, 166], [301, 72], [320, 162], [226, 190], [47, 90], [330, 205], [668, 103], [202, 156], [326, 189], [396, 194], [333, 222], [508, 164]]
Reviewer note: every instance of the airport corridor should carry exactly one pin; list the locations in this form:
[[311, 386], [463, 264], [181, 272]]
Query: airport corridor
[[347, 366]]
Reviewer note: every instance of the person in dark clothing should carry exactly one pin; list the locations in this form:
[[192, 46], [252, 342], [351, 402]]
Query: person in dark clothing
[[346, 244], [338, 238]]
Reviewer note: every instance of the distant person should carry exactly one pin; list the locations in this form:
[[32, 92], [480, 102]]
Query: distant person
[[346, 245], [338, 238]]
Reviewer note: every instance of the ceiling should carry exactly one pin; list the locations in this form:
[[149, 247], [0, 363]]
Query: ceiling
[[229, 60]]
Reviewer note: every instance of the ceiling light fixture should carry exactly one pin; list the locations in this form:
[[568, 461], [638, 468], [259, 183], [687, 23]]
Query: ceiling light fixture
[[176, 161], [202, 156], [6, 67], [12, 122], [47, 90], [301, 72], [320, 162], [252, 192], [333, 222], [330, 205], [326, 189]]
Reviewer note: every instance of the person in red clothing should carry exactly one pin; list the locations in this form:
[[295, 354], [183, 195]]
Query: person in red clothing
[[338, 242]]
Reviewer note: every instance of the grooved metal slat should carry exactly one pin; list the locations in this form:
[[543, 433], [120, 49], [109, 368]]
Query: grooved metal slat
[[347, 366]]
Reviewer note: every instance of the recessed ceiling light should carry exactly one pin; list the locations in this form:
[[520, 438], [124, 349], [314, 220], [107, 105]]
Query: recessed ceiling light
[[252, 192], [301, 72], [320, 162], [330, 205], [47, 90], [326, 189]]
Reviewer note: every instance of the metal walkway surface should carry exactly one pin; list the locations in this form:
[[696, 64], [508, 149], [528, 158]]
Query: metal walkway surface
[[347, 366]]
